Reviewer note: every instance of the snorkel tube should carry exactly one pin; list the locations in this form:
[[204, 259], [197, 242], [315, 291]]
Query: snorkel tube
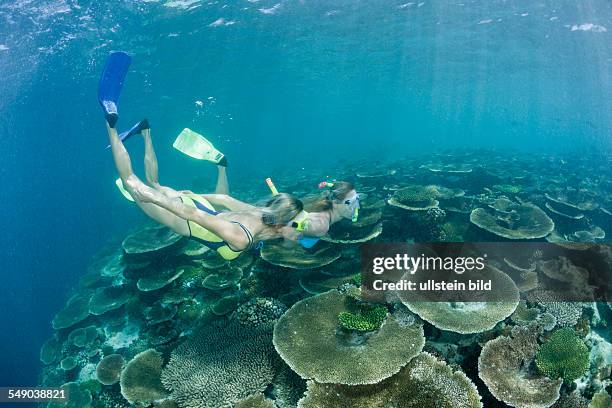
[[272, 187]]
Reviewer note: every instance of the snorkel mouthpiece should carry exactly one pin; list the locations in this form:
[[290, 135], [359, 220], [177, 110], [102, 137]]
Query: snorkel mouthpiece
[[325, 184], [300, 226], [355, 215]]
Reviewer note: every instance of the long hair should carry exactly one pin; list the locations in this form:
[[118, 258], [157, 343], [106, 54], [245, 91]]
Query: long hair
[[325, 201], [281, 209]]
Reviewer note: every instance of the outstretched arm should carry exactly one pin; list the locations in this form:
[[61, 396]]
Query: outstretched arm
[[230, 232]]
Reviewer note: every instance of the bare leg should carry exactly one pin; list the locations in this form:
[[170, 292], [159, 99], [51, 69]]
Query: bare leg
[[150, 160], [124, 167], [222, 183], [152, 169]]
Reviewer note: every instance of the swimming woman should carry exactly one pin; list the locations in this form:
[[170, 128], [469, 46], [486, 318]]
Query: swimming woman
[[229, 233]]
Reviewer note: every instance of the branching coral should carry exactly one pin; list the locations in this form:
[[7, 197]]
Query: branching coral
[[260, 311], [218, 366], [563, 355]]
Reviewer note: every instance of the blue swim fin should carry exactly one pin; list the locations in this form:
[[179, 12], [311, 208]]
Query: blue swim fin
[[134, 130], [111, 82]]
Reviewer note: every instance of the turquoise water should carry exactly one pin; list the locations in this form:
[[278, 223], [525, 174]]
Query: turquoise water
[[282, 88]]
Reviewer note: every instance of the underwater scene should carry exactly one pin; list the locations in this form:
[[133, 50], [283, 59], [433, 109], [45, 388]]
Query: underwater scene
[[193, 189]]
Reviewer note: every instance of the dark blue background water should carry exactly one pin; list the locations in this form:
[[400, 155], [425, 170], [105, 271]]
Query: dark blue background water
[[287, 87]]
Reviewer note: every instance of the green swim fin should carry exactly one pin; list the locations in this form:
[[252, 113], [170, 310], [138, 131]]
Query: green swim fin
[[122, 189], [195, 145]]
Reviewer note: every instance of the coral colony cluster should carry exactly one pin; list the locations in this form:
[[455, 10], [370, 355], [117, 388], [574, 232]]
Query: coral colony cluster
[[162, 321]]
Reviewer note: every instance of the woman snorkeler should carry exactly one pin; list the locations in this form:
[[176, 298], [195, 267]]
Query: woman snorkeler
[[230, 232], [340, 200]]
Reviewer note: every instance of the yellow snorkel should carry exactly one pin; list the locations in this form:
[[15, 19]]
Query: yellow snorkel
[[272, 187]]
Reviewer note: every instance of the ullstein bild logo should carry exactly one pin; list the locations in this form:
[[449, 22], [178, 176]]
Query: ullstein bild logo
[[483, 272]]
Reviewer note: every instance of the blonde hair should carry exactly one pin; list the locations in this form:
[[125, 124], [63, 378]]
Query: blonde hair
[[325, 201], [281, 209]]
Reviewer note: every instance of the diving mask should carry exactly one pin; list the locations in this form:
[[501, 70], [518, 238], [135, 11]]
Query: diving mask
[[353, 206]]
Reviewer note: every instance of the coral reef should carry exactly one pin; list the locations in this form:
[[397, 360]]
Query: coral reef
[[503, 366], [367, 318], [217, 367], [159, 297], [109, 369], [563, 355], [307, 338], [255, 401], [296, 257], [140, 379], [516, 221], [424, 382], [260, 311], [471, 315]]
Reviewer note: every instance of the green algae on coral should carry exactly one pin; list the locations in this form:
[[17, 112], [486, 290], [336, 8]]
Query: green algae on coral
[[307, 338], [563, 355], [423, 383], [367, 318]]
